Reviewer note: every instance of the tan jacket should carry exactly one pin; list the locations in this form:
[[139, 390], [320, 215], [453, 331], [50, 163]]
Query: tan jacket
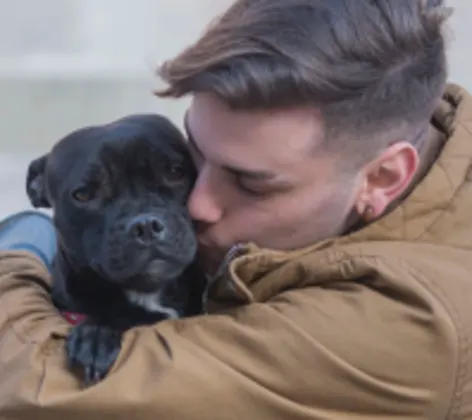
[[374, 325]]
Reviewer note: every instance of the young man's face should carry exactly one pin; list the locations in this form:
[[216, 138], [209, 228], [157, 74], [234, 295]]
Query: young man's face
[[262, 179]]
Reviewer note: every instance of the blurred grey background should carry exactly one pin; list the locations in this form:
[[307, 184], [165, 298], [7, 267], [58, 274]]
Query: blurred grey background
[[70, 63]]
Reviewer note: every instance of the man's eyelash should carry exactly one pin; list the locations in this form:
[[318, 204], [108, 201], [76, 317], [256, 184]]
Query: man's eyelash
[[249, 191]]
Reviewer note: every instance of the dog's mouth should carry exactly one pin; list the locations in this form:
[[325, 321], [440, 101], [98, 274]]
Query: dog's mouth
[[148, 277], [98, 268]]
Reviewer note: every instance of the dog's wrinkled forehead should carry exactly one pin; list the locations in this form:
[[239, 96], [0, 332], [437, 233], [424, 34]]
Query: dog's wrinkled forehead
[[128, 145]]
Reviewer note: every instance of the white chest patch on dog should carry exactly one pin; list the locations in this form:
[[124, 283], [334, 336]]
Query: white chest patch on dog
[[151, 302]]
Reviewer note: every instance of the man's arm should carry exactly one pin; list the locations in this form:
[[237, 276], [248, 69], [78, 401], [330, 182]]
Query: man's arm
[[303, 356]]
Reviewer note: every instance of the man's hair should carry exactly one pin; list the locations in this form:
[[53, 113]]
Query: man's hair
[[374, 69]]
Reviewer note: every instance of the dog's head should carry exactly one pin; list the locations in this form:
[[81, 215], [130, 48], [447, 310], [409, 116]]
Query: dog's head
[[118, 194]]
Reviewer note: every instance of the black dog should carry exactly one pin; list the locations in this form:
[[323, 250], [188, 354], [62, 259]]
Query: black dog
[[126, 244]]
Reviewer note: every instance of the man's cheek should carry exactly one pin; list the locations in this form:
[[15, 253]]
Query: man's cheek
[[248, 227]]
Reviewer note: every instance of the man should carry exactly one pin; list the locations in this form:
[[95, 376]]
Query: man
[[334, 204]]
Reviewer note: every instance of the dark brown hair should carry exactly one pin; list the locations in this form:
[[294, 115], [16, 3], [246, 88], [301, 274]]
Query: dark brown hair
[[375, 69]]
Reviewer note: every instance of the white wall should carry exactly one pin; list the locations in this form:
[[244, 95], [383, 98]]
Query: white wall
[[460, 42]]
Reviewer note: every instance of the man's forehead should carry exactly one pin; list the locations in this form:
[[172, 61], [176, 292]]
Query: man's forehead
[[270, 138], [234, 168]]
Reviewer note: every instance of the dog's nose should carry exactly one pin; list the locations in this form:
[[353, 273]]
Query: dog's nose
[[146, 229]]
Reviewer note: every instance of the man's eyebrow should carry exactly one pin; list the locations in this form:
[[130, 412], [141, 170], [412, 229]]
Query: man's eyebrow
[[239, 172]]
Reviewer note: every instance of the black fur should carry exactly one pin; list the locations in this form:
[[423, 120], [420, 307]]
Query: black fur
[[126, 244]]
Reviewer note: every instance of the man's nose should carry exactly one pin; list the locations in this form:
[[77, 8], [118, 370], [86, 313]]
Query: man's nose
[[203, 203]]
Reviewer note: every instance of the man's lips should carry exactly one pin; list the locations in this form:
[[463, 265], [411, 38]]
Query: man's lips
[[210, 254], [204, 242]]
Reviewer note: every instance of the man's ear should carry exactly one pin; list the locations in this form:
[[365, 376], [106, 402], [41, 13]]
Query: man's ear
[[36, 183]]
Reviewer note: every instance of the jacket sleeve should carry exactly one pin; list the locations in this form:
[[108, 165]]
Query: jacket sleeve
[[261, 361]]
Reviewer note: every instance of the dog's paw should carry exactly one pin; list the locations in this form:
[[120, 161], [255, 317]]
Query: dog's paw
[[94, 348]]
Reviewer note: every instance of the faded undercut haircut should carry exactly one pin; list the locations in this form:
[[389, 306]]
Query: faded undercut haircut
[[374, 69]]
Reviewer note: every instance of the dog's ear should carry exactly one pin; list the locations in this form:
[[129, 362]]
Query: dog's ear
[[36, 183]]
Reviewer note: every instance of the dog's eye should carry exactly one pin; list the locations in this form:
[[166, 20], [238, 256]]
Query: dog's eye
[[176, 173], [83, 195]]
